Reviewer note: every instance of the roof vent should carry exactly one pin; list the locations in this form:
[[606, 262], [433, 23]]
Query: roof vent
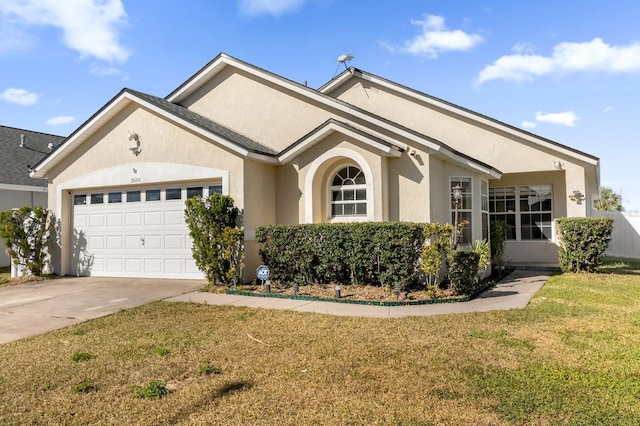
[[22, 141]]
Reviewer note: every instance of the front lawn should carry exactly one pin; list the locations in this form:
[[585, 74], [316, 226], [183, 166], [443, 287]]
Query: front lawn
[[571, 357]]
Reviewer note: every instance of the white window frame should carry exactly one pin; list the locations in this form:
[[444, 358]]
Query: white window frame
[[519, 213], [342, 188]]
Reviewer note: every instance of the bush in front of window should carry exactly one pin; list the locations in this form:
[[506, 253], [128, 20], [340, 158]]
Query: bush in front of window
[[583, 241], [380, 254]]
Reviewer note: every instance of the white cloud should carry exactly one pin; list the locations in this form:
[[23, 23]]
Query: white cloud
[[592, 56], [529, 124], [19, 96], [436, 38], [63, 119], [567, 118], [89, 27], [270, 7], [100, 71], [608, 108]]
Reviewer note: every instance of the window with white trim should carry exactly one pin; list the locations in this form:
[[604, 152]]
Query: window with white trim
[[465, 208], [348, 193], [527, 209]]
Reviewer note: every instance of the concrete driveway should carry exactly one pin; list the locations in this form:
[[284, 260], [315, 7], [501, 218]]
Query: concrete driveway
[[34, 308]]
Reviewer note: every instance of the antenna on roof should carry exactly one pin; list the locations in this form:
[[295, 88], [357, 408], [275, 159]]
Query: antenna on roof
[[343, 59]]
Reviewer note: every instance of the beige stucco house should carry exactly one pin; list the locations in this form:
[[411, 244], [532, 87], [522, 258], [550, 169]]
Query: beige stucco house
[[360, 148]]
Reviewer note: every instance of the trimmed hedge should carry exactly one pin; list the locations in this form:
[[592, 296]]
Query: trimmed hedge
[[385, 253], [583, 241]]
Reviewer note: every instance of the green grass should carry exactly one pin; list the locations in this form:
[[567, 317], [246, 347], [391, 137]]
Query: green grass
[[569, 358]]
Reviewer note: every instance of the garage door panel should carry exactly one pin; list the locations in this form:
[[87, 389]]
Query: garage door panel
[[81, 220], [98, 266], [114, 242], [173, 217], [173, 266], [153, 242], [96, 243], [114, 220], [96, 220], [133, 219], [133, 242], [115, 266], [153, 266], [153, 218], [133, 266], [174, 242]]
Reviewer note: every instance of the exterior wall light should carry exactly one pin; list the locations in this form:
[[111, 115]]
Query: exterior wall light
[[557, 165]]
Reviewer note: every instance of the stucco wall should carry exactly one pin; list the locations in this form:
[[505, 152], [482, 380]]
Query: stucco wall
[[256, 109], [260, 208]]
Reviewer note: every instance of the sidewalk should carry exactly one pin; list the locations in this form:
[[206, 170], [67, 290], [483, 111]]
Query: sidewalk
[[513, 292]]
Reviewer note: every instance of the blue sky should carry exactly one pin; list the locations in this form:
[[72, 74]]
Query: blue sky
[[565, 70]]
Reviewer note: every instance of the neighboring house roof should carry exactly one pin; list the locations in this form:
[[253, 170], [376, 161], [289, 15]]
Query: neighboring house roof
[[20, 150], [352, 72]]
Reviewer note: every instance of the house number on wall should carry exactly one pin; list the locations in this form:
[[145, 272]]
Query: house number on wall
[[135, 179]]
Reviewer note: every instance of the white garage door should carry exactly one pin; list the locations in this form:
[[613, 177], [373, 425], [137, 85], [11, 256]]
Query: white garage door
[[134, 232]]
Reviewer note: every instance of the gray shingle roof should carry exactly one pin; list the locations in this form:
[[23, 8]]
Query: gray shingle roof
[[16, 161], [205, 123]]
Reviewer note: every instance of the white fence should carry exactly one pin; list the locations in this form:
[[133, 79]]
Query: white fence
[[625, 238]]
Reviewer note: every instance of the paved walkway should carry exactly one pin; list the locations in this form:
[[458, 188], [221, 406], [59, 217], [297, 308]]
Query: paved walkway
[[513, 292]]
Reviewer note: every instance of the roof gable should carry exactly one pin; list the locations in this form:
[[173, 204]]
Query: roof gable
[[207, 128], [330, 126], [459, 111]]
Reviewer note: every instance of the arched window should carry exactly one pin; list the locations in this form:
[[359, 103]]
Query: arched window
[[348, 193]]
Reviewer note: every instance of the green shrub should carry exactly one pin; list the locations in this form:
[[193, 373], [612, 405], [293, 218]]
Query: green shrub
[[26, 234], [583, 241], [437, 245], [463, 266], [384, 253], [217, 241], [481, 248], [85, 386], [155, 389], [82, 356], [498, 236]]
